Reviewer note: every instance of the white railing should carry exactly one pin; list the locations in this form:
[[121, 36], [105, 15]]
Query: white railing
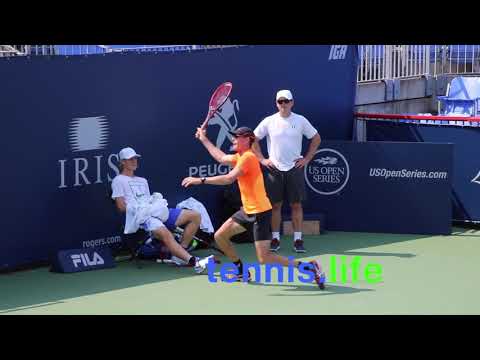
[[18, 50], [377, 62], [372, 66], [382, 62], [172, 48], [11, 50], [149, 48], [462, 59], [80, 49]]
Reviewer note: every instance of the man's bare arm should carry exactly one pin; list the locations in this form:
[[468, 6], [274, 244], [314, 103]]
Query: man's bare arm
[[257, 150], [215, 152], [121, 204], [314, 144], [214, 180]]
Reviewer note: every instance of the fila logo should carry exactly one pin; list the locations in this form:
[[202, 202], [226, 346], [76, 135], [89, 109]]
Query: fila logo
[[84, 259], [338, 52]]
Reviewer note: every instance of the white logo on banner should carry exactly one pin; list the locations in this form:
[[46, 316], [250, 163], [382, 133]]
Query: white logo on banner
[[84, 259], [476, 179], [88, 133], [227, 119], [338, 52], [326, 160], [328, 172]]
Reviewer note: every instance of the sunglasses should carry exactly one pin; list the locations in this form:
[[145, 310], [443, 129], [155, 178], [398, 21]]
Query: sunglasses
[[283, 101]]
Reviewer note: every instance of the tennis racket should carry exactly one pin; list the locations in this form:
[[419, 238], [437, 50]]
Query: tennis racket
[[219, 96]]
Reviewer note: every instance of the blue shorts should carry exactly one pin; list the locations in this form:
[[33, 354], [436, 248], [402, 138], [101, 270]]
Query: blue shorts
[[173, 215]]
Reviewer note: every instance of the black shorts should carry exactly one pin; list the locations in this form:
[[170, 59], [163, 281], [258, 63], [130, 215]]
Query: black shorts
[[260, 222], [285, 185]]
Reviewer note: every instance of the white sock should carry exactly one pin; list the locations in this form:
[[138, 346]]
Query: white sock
[[276, 235], [297, 235]]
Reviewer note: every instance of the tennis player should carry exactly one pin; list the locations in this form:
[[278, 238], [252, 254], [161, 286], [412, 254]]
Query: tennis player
[[257, 209]]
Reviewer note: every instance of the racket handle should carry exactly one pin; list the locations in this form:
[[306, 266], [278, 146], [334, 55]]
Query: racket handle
[[205, 123]]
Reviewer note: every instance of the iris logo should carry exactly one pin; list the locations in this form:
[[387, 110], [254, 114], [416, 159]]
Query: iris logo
[[88, 133], [328, 172]]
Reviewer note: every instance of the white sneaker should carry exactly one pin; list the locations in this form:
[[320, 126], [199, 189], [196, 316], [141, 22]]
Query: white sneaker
[[201, 264]]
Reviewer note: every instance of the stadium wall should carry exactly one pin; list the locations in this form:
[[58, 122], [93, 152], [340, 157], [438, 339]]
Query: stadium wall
[[66, 118]]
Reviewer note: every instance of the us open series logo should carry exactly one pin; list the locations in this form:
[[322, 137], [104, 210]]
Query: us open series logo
[[328, 172]]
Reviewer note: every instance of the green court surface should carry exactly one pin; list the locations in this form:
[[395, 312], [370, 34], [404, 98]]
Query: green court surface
[[420, 275]]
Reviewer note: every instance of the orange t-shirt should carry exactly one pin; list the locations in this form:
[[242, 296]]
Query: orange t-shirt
[[251, 185]]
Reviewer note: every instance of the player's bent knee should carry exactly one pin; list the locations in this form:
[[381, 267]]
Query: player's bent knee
[[196, 217], [219, 236]]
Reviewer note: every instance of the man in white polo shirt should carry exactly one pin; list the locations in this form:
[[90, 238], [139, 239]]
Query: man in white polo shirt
[[284, 131]]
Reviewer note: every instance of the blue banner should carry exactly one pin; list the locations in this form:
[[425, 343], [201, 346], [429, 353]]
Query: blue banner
[[66, 118], [381, 187], [77, 260], [466, 172]]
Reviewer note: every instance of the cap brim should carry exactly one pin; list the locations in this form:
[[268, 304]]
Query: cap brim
[[134, 156]]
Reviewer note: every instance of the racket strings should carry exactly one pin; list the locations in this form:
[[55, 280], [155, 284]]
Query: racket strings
[[221, 95]]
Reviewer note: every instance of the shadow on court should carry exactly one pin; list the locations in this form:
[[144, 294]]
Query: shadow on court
[[35, 287], [369, 253], [311, 290], [348, 244]]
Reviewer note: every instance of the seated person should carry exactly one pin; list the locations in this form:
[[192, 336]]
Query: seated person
[[132, 197]]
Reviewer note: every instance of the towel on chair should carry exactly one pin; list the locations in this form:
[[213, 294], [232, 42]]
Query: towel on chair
[[193, 204], [155, 206]]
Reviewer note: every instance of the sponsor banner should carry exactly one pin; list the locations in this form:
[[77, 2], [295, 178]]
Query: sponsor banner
[[466, 166], [381, 187], [66, 118], [76, 260]]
